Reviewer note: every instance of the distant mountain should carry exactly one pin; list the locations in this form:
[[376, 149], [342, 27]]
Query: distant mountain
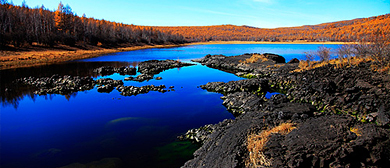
[[361, 29]]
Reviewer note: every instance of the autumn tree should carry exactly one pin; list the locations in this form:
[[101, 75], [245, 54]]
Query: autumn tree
[[64, 24]]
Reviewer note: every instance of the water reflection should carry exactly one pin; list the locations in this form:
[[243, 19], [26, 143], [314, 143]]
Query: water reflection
[[13, 92]]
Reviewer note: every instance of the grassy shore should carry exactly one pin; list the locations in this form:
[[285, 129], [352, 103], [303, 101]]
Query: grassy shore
[[263, 42], [35, 57]]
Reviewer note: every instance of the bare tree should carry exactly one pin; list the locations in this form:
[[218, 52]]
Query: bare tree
[[323, 53], [346, 51], [309, 56]]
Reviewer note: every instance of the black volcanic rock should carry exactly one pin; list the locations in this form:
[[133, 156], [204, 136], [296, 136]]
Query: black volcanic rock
[[108, 70], [149, 68], [235, 64], [250, 85], [59, 84], [293, 61], [330, 141], [153, 67], [133, 90], [275, 57], [330, 107]]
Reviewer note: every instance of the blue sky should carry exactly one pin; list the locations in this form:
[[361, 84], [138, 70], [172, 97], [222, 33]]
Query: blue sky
[[258, 13]]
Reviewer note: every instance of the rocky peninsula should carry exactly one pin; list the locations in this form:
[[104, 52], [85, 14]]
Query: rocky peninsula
[[325, 117]]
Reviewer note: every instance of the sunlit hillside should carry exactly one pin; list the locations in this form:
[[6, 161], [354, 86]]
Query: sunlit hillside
[[349, 30]]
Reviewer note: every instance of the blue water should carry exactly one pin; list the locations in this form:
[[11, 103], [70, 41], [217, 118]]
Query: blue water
[[140, 131], [289, 51]]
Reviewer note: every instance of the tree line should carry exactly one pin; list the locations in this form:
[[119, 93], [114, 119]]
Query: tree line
[[20, 25], [343, 31]]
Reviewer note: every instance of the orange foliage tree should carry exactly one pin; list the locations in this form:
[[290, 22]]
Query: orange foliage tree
[[344, 31], [20, 25]]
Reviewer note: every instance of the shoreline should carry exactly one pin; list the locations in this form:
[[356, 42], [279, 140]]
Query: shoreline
[[23, 59], [263, 42]]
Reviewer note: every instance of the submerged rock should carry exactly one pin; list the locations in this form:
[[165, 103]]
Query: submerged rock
[[143, 77], [150, 68], [106, 85], [156, 66], [133, 90], [59, 84], [108, 70]]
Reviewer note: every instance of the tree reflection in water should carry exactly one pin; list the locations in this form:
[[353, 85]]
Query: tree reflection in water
[[12, 92]]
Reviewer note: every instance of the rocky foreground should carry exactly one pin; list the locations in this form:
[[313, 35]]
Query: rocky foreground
[[69, 84], [340, 117]]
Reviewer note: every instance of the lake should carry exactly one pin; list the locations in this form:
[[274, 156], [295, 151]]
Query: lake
[[92, 128]]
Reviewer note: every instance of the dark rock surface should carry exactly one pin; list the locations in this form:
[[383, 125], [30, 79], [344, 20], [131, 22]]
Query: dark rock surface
[[249, 85], [106, 85], [293, 61], [69, 84], [150, 68], [157, 66], [226, 145], [239, 102], [235, 64], [328, 141], [330, 107], [59, 84], [133, 90], [143, 77], [201, 134], [108, 70], [355, 91]]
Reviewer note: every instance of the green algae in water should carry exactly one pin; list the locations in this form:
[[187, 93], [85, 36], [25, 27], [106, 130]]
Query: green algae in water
[[177, 152]]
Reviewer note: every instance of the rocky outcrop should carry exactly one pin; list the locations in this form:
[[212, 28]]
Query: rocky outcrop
[[150, 68], [249, 85], [235, 64], [69, 84], [157, 66], [293, 61], [356, 91], [341, 117], [107, 84], [143, 77], [147, 69], [226, 145], [201, 134], [240, 102], [108, 70], [59, 84], [133, 90], [330, 141]]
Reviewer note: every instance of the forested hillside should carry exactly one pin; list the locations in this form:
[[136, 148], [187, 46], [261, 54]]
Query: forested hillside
[[21, 25], [345, 31]]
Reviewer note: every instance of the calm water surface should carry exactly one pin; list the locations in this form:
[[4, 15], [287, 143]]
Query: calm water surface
[[92, 128]]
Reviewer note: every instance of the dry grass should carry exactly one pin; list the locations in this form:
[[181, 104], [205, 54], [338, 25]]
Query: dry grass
[[12, 59], [256, 144], [356, 131], [304, 65], [266, 42], [254, 58]]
